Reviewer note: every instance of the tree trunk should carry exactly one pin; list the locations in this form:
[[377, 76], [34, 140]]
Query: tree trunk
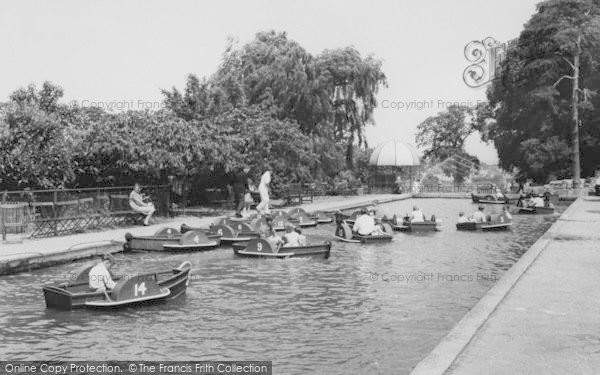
[[575, 104]]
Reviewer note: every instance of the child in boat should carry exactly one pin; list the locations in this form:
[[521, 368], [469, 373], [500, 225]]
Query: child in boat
[[462, 218], [99, 277], [290, 238], [506, 213], [301, 237], [417, 215], [268, 233]]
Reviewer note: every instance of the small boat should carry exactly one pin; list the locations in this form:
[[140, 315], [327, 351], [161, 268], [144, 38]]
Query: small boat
[[227, 234], [322, 218], [344, 233], [279, 213], [489, 199], [279, 223], [232, 221], [170, 239], [303, 220], [501, 222], [137, 290], [536, 210], [418, 226], [261, 248]]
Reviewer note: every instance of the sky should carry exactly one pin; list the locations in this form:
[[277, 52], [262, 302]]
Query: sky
[[120, 54]]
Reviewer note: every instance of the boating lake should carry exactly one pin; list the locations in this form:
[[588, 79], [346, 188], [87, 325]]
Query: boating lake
[[377, 308]]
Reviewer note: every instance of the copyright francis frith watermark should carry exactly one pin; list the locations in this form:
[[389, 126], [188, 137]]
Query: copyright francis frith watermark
[[431, 277]]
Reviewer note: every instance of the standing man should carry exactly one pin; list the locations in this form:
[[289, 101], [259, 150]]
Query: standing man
[[136, 202], [263, 189], [240, 188]]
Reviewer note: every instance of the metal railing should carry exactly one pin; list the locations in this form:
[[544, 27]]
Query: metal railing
[[57, 203]]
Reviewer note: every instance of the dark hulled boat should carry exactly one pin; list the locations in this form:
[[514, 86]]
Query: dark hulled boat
[[261, 248], [140, 289]]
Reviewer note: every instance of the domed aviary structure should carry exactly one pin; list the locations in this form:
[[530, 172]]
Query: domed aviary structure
[[394, 165], [395, 154]]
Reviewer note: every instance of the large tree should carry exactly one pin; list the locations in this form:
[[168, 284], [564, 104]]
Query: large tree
[[543, 107], [443, 138], [36, 140]]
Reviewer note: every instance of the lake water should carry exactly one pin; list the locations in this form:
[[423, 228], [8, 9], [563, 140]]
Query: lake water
[[376, 309]]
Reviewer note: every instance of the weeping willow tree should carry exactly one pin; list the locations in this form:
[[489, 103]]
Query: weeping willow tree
[[352, 84]]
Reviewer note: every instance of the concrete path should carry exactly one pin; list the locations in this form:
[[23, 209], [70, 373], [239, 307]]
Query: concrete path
[[543, 316], [43, 252]]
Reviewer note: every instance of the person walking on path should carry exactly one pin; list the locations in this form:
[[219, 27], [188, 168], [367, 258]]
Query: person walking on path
[[240, 188], [263, 190]]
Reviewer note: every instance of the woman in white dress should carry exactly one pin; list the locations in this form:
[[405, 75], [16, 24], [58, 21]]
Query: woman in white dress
[[263, 190]]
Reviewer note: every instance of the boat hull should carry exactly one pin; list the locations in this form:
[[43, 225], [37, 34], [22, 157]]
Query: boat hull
[[471, 226], [70, 296], [313, 251], [536, 210]]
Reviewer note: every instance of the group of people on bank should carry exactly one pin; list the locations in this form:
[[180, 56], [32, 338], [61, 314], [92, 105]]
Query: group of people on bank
[[243, 188]]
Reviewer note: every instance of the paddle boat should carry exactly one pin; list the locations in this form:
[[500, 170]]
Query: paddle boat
[[319, 216], [279, 223], [344, 233], [227, 233], [548, 207], [417, 226], [170, 239], [500, 222], [322, 217], [491, 199], [534, 210], [261, 248], [303, 220], [130, 291]]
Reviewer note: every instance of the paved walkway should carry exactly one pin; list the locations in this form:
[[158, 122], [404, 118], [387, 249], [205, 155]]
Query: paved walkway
[[36, 253], [543, 316]]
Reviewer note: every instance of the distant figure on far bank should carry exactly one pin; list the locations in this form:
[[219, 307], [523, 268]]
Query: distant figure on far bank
[[138, 203], [263, 190], [241, 187], [416, 187]]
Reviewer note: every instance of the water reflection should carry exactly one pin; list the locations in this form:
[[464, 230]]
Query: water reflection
[[361, 309]]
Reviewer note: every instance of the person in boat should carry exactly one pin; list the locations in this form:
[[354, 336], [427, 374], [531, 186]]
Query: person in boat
[[138, 203], [268, 233], [478, 216], [508, 186], [365, 224], [99, 277], [291, 237], [263, 190], [240, 188], [499, 195], [506, 212], [535, 201], [301, 237], [417, 215], [462, 218]]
